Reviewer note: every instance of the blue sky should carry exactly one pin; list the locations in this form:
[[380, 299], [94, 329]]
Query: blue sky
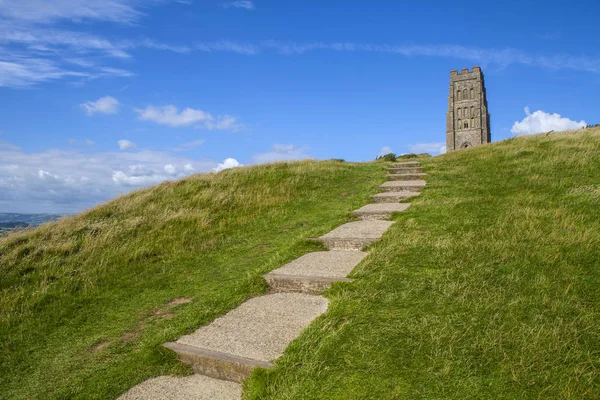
[[98, 98]]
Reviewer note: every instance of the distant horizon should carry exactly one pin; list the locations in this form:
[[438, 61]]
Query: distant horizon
[[102, 98]]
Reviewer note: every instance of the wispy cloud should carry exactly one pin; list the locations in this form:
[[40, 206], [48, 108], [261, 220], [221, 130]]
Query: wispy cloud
[[19, 71], [229, 46], [44, 11], [502, 57], [104, 105], [170, 115], [247, 4], [189, 145], [34, 48], [282, 152]]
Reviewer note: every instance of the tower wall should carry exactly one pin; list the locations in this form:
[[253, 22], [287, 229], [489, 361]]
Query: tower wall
[[467, 119]]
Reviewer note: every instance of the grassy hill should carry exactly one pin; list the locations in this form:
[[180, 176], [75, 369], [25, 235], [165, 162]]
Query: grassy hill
[[488, 287], [86, 302]]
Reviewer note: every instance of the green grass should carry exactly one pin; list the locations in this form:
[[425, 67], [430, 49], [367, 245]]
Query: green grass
[[86, 302], [487, 288]]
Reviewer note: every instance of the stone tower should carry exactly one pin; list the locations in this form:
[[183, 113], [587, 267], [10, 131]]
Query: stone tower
[[467, 119]]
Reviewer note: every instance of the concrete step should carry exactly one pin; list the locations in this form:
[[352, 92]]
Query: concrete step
[[393, 197], [405, 177], [252, 335], [406, 170], [355, 235], [194, 387], [402, 186], [406, 164], [380, 211], [314, 272]]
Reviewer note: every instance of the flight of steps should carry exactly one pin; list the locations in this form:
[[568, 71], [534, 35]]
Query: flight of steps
[[223, 353]]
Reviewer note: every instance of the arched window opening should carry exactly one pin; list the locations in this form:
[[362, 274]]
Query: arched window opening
[[466, 124], [466, 112], [465, 145], [459, 95], [459, 125], [465, 94], [459, 113], [472, 123], [472, 94], [472, 112]]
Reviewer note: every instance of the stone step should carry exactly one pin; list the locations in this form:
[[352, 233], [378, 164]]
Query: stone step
[[380, 211], [194, 387], [252, 335], [354, 235], [314, 272], [405, 177], [402, 186], [406, 170], [393, 197], [406, 164]]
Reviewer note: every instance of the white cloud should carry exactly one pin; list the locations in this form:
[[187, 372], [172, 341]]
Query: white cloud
[[170, 169], [540, 121], [125, 144], [71, 180], [104, 105], [282, 152], [443, 149], [171, 116], [247, 4], [431, 148], [227, 164], [188, 168], [384, 150], [45, 175]]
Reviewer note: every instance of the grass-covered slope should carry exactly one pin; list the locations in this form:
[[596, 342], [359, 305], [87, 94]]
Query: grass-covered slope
[[487, 288], [86, 302]]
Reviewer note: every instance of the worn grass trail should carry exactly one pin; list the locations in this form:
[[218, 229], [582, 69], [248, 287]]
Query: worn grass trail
[[488, 287], [87, 302]]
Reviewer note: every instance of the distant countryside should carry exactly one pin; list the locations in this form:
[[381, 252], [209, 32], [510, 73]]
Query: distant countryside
[[10, 222]]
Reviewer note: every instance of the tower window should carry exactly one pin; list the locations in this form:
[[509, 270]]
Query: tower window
[[466, 124], [459, 113], [458, 95], [465, 94], [472, 94], [472, 123]]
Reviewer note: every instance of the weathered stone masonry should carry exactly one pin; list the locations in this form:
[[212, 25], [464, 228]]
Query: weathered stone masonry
[[467, 119]]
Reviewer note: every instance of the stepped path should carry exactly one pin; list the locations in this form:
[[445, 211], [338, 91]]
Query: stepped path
[[223, 353]]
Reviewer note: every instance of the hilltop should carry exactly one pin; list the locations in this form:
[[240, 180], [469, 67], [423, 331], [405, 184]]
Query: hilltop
[[86, 301], [486, 287]]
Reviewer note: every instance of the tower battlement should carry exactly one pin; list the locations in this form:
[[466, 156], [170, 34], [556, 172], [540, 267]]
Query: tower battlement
[[467, 119]]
